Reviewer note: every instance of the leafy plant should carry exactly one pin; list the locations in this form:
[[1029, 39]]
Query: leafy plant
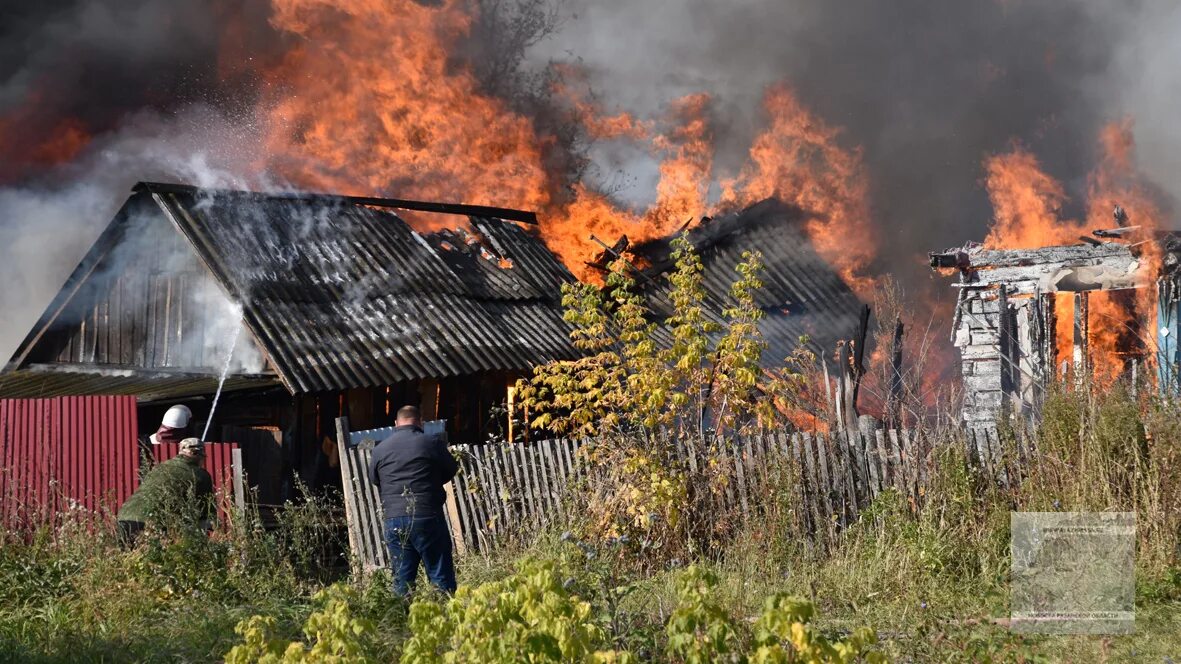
[[334, 634], [529, 616]]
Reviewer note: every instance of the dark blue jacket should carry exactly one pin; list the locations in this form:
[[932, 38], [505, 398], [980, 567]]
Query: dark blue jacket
[[410, 469]]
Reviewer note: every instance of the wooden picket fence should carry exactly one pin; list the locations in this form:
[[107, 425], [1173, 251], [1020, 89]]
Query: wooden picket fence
[[504, 490]]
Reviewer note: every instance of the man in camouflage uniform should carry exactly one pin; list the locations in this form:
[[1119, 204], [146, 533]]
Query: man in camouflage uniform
[[172, 493]]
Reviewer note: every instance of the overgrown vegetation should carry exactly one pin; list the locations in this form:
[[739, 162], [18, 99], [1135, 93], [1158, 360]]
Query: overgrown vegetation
[[650, 569]]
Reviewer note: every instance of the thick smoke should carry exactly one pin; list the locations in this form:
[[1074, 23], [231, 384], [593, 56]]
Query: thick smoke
[[927, 89]]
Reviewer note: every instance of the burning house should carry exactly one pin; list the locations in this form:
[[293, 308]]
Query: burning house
[[302, 308], [1104, 309], [803, 298]]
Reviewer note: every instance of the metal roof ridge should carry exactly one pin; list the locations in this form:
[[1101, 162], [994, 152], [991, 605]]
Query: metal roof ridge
[[465, 209]]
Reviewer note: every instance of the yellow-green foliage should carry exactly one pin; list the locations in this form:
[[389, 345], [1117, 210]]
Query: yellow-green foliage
[[645, 404], [533, 616], [334, 635], [700, 631], [526, 617], [626, 381]]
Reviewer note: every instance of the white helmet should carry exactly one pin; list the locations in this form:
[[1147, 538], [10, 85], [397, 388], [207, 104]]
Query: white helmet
[[177, 417]]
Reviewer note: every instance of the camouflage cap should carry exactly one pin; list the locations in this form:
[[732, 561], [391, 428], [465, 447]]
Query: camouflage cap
[[193, 445]]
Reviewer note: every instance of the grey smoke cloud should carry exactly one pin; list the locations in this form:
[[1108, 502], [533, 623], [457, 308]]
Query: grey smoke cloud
[[927, 89]]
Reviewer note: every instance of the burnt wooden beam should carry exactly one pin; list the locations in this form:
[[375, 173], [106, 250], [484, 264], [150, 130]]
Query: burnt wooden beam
[[894, 396], [979, 258], [1114, 232], [857, 366], [1104, 269]]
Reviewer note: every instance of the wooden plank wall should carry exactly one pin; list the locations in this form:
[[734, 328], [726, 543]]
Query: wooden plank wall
[[508, 490]]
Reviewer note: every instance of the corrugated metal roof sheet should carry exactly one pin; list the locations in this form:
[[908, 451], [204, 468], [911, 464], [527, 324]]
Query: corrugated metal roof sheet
[[337, 292], [802, 294]]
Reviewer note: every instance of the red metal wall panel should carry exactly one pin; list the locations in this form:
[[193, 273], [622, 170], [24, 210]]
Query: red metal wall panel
[[66, 453]]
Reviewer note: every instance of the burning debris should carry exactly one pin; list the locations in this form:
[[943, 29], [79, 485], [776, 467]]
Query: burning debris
[[1024, 317]]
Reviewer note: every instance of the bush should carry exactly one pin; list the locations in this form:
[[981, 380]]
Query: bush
[[529, 616], [334, 635]]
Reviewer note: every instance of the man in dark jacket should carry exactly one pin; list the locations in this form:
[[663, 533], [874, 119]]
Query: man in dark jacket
[[410, 469], [176, 492]]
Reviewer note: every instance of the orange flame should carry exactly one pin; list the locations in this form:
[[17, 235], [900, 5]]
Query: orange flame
[[797, 158], [1027, 204], [370, 101]]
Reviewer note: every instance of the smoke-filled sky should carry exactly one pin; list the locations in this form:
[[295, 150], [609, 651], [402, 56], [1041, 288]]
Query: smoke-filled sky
[[927, 89], [97, 94]]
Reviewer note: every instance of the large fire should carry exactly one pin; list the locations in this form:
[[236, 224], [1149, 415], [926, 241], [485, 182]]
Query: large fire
[[368, 100], [1027, 205]]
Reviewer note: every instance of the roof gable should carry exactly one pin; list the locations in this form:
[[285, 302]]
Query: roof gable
[[140, 299]]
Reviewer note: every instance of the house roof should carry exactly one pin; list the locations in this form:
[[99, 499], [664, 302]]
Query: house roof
[[801, 296], [335, 292]]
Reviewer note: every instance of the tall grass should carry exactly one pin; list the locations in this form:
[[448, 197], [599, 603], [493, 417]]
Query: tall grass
[[70, 593]]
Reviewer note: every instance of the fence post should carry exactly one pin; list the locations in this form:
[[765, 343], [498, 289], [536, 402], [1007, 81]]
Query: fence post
[[352, 518], [236, 474]]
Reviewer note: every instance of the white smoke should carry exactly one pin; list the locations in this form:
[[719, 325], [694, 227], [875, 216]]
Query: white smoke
[[47, 227]]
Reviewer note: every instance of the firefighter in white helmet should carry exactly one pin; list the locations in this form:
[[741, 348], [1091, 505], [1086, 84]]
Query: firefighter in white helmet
[[174, 427]]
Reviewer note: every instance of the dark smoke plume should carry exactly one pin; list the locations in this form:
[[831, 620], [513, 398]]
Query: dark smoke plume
[[927, 89]]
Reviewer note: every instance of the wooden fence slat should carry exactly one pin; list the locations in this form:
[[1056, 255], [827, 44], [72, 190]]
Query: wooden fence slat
[[474, 488], [560, 479], [561, 475], [508, 482], [848, 484], [492, 508], [549, 473], [914, 462], [509, 491], [808, 472], [868, 449], [459, 486], [532, 509], [738, 449], [568, 458], [352, 513], [883, 460], [925, 457], [860, 470], [796, 441], [896, 462], [493, 497], [536, 457], [513, 491], [825, 484]]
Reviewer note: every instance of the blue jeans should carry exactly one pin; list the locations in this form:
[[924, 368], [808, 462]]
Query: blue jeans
[[414, 539]]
